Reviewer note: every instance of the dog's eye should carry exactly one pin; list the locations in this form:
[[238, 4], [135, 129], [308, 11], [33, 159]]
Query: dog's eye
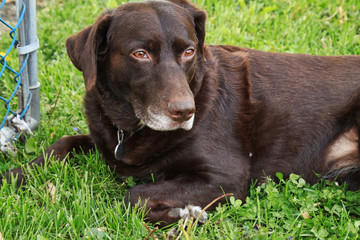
[[140, 54], [189, 52]]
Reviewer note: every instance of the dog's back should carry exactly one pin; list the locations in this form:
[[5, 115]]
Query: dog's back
[[305, 113]]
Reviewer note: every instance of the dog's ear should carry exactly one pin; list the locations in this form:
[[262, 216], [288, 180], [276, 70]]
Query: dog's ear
[[83, 48], [199, 20]]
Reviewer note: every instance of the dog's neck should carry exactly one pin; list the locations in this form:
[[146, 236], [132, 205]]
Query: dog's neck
[[119, 149]]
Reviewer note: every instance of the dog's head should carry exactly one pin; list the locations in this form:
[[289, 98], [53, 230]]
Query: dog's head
[[148, 54]]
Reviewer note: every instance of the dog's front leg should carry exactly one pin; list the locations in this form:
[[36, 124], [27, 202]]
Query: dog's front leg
[[58, 151], [168, 201]]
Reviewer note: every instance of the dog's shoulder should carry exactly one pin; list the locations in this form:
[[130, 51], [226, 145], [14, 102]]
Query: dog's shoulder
[[221, 51], [228, 58]]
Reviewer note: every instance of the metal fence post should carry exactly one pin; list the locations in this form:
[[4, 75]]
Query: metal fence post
[[28, 44]]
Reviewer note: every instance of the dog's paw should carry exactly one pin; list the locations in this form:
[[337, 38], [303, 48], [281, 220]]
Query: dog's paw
[[13, 176], [189, 210]]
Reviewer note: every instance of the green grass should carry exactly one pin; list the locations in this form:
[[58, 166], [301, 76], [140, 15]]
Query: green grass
[[83, 199]]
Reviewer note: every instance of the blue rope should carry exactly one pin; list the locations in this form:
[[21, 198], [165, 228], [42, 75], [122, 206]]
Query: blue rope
[[6, 68]]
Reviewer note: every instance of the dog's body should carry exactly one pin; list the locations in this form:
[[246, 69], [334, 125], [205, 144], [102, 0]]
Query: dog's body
[[206, 120]]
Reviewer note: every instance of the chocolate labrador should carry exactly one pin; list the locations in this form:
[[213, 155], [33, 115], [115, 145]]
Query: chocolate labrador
[[203, 120]]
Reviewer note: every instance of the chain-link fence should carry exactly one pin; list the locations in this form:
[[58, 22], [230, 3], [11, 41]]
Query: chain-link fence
[[19, 82]]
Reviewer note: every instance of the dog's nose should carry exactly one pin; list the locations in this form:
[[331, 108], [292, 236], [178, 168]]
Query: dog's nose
[[181, 111]]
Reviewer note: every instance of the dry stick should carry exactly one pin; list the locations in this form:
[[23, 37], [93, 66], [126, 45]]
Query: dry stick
[[151, 232], [191, 224], [210, 204], [182, 227], [186, 235]]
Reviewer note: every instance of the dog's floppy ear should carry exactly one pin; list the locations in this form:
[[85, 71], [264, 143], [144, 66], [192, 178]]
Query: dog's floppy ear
[[83, 48], [199, 20]]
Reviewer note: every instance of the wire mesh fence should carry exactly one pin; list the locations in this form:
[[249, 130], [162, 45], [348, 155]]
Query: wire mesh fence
[[19, 91]]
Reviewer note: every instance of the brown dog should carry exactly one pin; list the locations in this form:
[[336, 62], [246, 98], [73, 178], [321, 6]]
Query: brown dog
[[205, 120]]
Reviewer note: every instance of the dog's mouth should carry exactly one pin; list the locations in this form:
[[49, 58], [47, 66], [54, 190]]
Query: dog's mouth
[[165, 123], [162, 122]]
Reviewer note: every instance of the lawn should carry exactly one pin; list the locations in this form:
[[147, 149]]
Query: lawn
[[83, 199]]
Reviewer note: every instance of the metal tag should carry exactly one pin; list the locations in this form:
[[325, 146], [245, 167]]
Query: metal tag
[[119, 149]]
